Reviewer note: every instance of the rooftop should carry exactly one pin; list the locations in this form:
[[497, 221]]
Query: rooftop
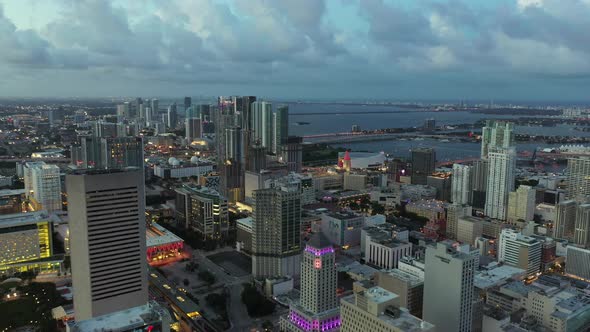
[[158, 235], [496, 275], [123, 320], [412, 279], [378, 295], [12, 192], [26, 218]]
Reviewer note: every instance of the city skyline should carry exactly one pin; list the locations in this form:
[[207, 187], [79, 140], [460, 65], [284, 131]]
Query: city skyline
[[527, 50]]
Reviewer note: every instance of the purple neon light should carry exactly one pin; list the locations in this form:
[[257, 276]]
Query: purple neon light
[[315, 324], [319, 252]]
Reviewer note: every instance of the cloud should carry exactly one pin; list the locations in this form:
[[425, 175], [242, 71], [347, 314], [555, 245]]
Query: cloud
[[262, 45]]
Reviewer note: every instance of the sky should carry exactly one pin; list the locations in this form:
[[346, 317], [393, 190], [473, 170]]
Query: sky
[[529, 50]]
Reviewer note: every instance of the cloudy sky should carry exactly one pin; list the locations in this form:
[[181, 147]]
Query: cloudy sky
[[395, 49]]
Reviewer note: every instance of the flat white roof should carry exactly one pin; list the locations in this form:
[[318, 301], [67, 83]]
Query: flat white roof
[[26, 218], [124, 319], [158, 235]]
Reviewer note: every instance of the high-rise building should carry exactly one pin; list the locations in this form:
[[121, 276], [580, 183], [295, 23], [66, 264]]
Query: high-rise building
[[107, 217], [121, 152], [293, 154], [262, 123], [461, 184], [448, 286], [423, 164], [43, 186], [137, 105], [376, 309], [123, 110], [582, 226], [442, 181], [578, 262], [520, 251], [468, 229], [318, 308], [192, 129], [501, 179], [479, 183], [565, 219], [409, 286], [280, 128], [496, 135], [234, 147], [187, 102], [578, 178], [454, 212], [521, 204], [171, 116], [204, 211], [276, 229], [256, 158], [155, 107]]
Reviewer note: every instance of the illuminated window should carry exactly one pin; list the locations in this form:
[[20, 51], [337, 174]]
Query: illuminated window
[[317, 263]]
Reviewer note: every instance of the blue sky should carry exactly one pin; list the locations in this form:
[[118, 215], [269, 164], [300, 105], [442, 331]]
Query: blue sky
[[370, 49]]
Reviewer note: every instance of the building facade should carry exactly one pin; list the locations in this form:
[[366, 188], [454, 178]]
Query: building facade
[[502, 165], [43, 186]]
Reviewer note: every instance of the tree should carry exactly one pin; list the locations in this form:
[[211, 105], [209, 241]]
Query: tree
[[267, 325], [256, 304], [377, 208], [185, 282]]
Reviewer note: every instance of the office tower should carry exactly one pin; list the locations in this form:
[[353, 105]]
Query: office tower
[[262, 123], [496, 135], [192, 129], [142, 112], [43, 186], [256, 158], [280, 128], [407, 285], [565, 220], [107, 217], [578, 262], [429, 125], [500, 182], [187, 102], [479, 182], [203, 210], [101, 128], [423, 164], [376, 309], [293, 154], [582, 226], [318, 307], [137, 105], [192, 112], [461, 184], [123, 110], [233, 144], [520, 251], [578, 178], [448, 286], [442, 182], [171, 116], [155, 107], [468, 229], [521, 204], [121, 152], [276, 229], [454, 212], [395, 169]]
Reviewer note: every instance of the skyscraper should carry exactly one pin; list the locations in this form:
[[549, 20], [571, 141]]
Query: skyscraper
[[234, 147], [318, 308], [155, 106], [293, 153], [192, 129], [280, 128], [276, 229], [187, 102], [496, 134], [500, 182], [203, 210], [521, 204], [121, 152], [256, 158], [479, 182], [262, 123], [43, 186], [171, 119], [107, 217], [461, 184], [582, 226], [578, 178], [520, 251], [423, 164], [448, 286], [565, 219], [123, 110]]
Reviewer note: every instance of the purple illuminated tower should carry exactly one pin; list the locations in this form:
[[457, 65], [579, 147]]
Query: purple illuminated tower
[[318, 309]]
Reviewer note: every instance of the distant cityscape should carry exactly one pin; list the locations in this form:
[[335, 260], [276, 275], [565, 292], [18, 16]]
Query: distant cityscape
[[240, 214]]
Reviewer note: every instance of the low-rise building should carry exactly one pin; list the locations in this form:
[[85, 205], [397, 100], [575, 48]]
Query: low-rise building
[[342, 228], [177, 171], [384, 251], [408, 286]]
